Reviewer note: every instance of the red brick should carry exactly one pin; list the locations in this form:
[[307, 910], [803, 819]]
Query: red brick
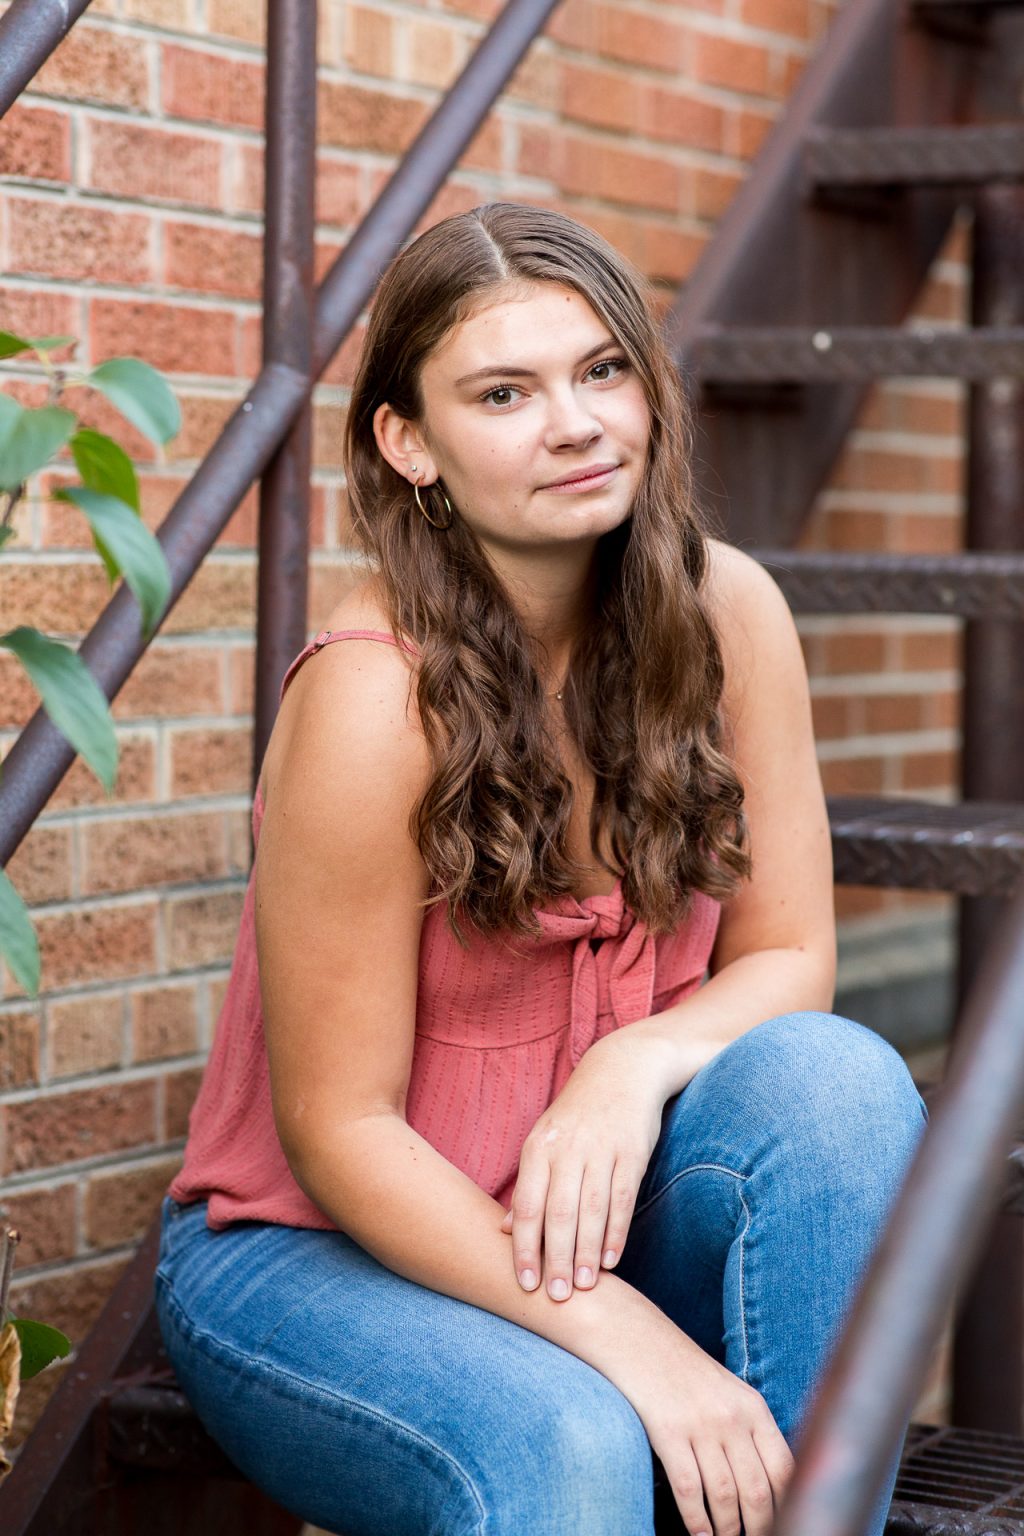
[[207, 87], [791, 18], [83, 1034], [241, 679], [369, 40], [328, 586], [535, 81], [202, 930], [58, 1128], [854, 776], [36, 142], [727, 62], [622, 175], [45, 1221], [39, 312], [119, 1206], [210, 761], [338, 191], [929, 770], [219, 596], [180, 1090], [748, 130], [97, 943], [174, 337], [204, 417], [853, 651], [931, 650], [607, 98], [859, 901], [60, 599], [71, 1299], [128, 853], [244, 19], [77, 243], [831, 714], [164, 1022], [136, 777], [172, 680], [713, 191], [436, 52], [639, 38], [19, 1047], [669, 254], [129, 160], [172, 14], [888, 712], [206, 259], [681, 118], [240, 844], [353, 117], [486, 149], [93, 64], [41, 866]]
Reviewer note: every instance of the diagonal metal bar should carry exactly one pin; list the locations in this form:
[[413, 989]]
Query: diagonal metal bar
[[29, 32], [934, 1234], [41, 756]]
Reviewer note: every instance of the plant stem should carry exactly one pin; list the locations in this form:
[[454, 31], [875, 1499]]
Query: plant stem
[[11, 1238]]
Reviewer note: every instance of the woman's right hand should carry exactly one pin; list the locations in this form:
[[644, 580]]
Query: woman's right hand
[[714, 1435]]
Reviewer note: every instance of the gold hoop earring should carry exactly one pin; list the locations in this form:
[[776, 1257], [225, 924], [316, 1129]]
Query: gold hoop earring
[[426, 514]]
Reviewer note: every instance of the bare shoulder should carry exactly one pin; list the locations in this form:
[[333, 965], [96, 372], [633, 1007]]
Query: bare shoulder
[[752, 619], [351, 703]]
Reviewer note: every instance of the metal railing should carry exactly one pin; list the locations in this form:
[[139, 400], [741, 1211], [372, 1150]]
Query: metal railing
[[940, 1218]]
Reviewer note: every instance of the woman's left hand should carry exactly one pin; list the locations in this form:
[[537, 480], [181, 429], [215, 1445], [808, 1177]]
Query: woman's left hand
[[582, 1164]]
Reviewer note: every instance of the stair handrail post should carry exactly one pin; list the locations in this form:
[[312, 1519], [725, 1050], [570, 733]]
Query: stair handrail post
[[933, 1235], [30, 30], [288, 312]]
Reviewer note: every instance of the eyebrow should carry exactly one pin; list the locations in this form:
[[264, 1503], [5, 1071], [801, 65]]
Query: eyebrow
[[509, 370]]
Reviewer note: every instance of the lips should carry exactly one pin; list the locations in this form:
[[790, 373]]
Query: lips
[[580, 477]]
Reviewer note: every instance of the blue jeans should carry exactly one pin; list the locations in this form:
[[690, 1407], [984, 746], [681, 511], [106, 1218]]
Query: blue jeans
[[373, 1406]]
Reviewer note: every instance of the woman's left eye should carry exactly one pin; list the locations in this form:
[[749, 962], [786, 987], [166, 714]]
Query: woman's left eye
[[508, 390]]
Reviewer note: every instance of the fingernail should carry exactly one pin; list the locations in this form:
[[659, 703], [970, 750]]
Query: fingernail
[[528, 1279], [559, 1289], [584, 1275], [609, 1256]]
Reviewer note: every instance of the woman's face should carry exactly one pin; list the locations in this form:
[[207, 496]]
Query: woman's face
[[529, 389]]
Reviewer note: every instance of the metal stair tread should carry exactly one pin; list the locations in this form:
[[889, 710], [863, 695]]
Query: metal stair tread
[[734, 355], [972, 584], [859, 157], [970, 848]]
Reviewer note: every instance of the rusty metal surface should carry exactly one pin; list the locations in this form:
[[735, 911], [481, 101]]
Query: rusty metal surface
[[974, 848], [959, 1480], [805, 354], [41, 756], [988, 1353], [288, 312], [881, 156], [29, 32], [933, 1237], [975, 585]]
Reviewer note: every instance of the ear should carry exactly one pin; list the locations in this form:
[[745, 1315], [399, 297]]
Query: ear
[[401, 442]]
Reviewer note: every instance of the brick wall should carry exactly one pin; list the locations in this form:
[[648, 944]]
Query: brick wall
[[130, 190]]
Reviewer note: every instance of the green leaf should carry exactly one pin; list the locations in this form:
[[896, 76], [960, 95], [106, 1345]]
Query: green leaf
[[39, 1345], [50, 343], [71, 697], [31, 441], [11, 345], [123, 538], [104, 466], [6, 533], [141, 394], [18, 943]]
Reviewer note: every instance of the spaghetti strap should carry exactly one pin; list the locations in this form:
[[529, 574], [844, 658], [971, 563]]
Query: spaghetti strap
[[328, 636]]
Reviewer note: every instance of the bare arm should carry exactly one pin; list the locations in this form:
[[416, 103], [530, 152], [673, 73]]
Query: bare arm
[[775, 949]]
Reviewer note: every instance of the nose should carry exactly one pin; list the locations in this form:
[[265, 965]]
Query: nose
[[571, 423]]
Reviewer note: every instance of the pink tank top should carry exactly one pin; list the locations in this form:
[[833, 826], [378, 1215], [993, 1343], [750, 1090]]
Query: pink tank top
[[498, 1034]]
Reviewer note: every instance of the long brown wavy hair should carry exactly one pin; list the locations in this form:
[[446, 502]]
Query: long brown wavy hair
[[645, 678]]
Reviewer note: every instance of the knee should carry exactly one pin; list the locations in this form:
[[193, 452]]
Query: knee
[[834, 1087]]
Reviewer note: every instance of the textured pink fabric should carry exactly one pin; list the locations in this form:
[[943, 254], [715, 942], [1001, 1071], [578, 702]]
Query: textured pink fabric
[[499, 1030]]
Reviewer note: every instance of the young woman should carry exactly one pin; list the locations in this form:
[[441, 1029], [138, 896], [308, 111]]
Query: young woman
[[494, 1211]]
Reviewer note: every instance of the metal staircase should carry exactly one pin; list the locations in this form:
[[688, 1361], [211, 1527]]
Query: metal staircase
[[908, 110]]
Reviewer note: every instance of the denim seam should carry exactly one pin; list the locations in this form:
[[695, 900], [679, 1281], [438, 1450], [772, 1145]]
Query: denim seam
[[741, 1179], [339, 1397]]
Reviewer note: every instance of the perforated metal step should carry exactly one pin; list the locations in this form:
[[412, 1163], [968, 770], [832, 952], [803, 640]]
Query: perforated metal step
[[731, 356], [878, 157], [958, 1482], [972, 586], [975, 848]]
